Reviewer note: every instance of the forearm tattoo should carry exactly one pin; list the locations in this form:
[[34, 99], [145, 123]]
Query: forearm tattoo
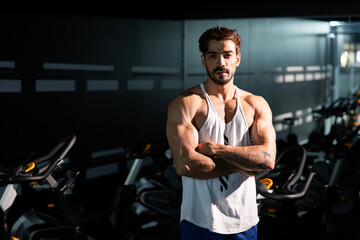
[[267, 157], [248, 163]]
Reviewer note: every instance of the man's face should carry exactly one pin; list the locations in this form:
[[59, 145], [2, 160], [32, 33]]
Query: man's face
[[221, 61]]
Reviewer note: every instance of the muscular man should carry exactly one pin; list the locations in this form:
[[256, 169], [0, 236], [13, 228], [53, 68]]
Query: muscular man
[[220, 136]]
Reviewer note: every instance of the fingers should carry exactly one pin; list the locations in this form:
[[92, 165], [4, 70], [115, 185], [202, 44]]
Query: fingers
[[204, 148], [200, 147]]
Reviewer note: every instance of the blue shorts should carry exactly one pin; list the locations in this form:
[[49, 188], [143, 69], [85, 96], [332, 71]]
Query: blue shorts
[[190, 231]]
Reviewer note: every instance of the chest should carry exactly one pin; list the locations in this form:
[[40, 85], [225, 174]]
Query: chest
[[224, 110]]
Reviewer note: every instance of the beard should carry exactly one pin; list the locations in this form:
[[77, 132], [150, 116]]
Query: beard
[[220, 80]]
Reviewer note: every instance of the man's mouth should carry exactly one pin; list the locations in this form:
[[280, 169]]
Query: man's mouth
[[221, 70]]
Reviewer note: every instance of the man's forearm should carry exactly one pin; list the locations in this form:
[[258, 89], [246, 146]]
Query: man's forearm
[[204, 167], [247, 158], [250, 158]]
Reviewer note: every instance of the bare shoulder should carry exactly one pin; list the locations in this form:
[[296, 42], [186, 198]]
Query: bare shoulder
[[258, 103], [186, 104], [187, 98]]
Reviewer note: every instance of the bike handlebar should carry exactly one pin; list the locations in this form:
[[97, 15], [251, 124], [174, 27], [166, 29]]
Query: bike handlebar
[[287, 192], [68, 142], [26, 171]]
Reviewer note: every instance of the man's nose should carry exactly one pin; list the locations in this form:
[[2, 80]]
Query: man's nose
[[221, 61]]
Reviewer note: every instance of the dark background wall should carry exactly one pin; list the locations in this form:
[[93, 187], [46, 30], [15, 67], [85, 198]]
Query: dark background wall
[[106, 80]]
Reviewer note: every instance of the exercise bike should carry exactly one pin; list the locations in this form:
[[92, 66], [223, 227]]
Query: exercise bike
[[278, 192], [149, 201], [44, 171]]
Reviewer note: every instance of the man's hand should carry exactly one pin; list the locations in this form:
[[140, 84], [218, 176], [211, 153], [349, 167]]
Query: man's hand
[[207, 148]]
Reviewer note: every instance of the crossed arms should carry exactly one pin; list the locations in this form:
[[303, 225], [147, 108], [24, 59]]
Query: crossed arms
[[211, 160]]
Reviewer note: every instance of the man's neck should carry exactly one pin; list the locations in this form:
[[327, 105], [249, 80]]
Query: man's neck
[[223, 92]]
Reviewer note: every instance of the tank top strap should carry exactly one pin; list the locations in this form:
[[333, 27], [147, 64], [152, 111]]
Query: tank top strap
[[204, 91], [240, 108], [237, 97], [208, 100]]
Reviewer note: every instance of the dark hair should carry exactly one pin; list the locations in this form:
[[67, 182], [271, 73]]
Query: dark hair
[[219, 33]]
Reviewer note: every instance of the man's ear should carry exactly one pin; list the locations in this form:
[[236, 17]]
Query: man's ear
[[203, 61], [238, 59]]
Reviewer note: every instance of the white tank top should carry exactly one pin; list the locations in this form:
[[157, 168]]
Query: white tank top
[[227, 204]]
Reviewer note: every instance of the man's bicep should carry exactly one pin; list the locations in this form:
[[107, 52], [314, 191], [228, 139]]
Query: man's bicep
[[264, 134], [182, 137], [262, 131], [179, 128]]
